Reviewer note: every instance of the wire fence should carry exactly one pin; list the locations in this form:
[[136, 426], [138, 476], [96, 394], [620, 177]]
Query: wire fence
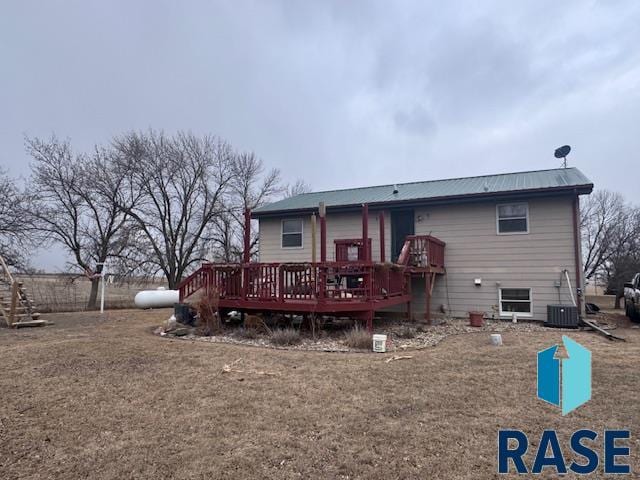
[[70, 293]]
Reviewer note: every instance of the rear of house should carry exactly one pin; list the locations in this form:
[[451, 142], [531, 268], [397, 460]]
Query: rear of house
[[512, 240]]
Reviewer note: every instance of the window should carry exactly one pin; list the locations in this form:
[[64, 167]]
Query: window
[[515, 300], [292, 233], [513, 218]]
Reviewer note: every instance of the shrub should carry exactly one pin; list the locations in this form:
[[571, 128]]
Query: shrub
[[358, 338], [208, 314], [285, 336], [405, 332], [248, 333]]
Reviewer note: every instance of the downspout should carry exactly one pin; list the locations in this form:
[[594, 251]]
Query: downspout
[[576, 247]]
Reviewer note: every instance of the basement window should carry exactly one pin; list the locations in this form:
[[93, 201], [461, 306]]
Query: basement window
[[512, 218], [292, 233], [515, 300]]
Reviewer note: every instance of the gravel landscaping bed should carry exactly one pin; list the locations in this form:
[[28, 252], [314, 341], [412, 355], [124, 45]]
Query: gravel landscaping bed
[[400, 336]]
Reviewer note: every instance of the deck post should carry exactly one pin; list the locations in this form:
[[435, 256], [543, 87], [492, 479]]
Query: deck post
[[427, 301], [323, 232], [369, 317], [313, 238], [246, 254], [246, 257], [365, 233], [381, 225]]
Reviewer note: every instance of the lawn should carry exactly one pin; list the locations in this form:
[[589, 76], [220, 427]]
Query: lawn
[[104, 398]]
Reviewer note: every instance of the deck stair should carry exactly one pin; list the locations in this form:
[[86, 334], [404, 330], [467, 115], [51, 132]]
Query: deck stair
[[16, 308]]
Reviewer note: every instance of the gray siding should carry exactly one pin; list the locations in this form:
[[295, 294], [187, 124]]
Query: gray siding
[[474, 250], [339, 225]]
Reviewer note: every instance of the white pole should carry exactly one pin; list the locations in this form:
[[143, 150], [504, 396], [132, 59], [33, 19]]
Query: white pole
[[102, 275]]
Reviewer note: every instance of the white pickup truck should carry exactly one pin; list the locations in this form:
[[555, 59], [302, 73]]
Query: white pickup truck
[[632, 298]]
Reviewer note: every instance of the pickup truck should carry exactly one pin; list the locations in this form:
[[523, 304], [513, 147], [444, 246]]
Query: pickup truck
[[632, 298]]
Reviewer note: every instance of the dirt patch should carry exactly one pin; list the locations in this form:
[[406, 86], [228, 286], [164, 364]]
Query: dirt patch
[[102, 398]]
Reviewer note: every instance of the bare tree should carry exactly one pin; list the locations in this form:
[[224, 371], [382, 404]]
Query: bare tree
[[75, 204], [178, 184], [624, 261], [15, 227], [601, 213], [250, 187], [297, 188], [611, 239]]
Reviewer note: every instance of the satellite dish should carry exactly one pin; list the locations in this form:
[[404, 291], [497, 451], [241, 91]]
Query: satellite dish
[[562, 152]]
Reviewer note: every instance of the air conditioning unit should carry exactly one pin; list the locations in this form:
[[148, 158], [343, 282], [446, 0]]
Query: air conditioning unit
[[565, 316]]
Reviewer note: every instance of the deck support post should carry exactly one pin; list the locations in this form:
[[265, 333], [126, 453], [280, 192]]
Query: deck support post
[[381, 225], [369, 318], [427, 302], [246, 254], [323, 232], [409, 281], [313, 238], [365, 233]]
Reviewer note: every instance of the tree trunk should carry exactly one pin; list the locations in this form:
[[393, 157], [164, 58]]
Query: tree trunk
[[95, 283], [617, 302], [93, 295]]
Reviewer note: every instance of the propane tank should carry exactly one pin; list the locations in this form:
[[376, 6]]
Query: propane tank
[[159, 298]]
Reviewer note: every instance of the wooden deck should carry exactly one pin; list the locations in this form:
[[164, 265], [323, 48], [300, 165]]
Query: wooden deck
[[356, 288]]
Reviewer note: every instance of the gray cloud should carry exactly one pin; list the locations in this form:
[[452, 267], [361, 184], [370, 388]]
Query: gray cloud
[[338, 93]]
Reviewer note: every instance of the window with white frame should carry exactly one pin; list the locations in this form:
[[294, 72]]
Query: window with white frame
[[515, 300], [513, 218], [292, 233]]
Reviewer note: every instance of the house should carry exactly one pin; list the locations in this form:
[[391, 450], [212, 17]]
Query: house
[[500, 244], [512, 240]]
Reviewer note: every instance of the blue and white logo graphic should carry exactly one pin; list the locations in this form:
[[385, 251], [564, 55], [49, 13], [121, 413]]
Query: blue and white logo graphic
[[565, 383]]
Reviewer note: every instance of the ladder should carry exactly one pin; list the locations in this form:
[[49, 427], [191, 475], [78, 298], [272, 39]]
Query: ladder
[[16, 309]]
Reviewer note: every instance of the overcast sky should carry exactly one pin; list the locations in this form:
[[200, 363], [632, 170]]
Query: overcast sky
[[340, 93]]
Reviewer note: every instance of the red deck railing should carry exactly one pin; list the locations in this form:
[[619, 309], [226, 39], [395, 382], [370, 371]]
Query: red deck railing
[[342, 281], [350, 250], [274, 282], [422, 251]]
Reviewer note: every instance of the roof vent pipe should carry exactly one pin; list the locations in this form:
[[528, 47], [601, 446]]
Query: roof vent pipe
[[395, 188]]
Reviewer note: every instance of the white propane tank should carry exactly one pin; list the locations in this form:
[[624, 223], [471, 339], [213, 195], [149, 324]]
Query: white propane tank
[[159, 298]]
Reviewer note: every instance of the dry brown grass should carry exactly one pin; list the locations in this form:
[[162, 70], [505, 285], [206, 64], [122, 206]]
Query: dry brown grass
[[359, 338], [104, 399], [285, 336]]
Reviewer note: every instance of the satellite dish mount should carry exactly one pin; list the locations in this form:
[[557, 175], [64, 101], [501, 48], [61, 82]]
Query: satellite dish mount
[[562, 152]]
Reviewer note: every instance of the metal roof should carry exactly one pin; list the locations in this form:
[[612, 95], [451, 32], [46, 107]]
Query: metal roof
[[560, 179]]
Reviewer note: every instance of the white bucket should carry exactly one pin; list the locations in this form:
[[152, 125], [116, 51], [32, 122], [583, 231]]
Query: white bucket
[[496, 339], [380, 343]]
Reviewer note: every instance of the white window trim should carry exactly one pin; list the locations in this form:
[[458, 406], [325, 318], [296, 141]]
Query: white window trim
[[519, 314], [526, 232], [301, 234]]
